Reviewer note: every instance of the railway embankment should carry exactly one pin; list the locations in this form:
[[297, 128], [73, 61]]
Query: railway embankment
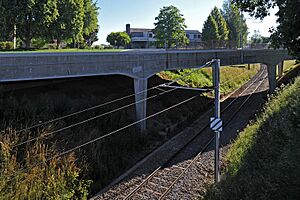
[[263, 162]]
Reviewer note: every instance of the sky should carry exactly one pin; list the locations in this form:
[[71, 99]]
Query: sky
[[115, 14]]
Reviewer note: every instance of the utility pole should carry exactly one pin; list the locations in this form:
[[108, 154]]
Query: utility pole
[[165, 29], [15, 36], [216, 122], [241, 35]]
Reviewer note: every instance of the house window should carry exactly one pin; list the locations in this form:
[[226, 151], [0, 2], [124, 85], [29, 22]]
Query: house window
[[150, 35], [195, 36], [188, 36], [199, 36], [137, 34]]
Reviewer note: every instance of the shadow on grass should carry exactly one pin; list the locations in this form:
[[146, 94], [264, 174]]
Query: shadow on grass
[[264, 161]]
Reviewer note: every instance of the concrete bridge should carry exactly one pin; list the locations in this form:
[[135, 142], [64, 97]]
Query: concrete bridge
[[140, 65]]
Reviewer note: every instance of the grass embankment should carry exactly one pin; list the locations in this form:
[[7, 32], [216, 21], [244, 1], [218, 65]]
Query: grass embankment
[[231, 77], [289, 65], [264, 161], [26, 173], [101, 161], [64, 177]]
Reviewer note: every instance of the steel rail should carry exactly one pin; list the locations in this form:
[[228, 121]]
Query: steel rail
[[210, 141], [132, 193]]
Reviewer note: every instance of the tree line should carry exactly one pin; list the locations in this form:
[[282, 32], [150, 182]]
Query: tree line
[[225, 28], [74, 22], [287, 32]]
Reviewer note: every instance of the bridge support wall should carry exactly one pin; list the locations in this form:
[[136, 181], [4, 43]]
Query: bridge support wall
[[272, 77], [140, 89], [280, 69]]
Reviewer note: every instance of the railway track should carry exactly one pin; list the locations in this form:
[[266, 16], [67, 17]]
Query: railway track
[[160, 182]]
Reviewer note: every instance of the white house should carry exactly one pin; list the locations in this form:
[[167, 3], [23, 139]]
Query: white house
[[144, 38]]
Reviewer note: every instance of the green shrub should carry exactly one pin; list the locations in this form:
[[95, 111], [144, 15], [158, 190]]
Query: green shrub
[[25, 173], [2, 45], [98, 47], [52, 46], [83, 46], [108, 47], [6, 45], [38, 43]]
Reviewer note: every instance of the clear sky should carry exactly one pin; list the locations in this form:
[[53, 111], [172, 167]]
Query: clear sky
[[115, 14]]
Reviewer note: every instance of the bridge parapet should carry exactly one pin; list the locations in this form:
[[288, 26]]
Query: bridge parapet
[[32, 66]]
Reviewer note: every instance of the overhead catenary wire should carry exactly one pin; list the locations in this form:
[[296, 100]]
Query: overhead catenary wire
[[129, 196], [85, 110], [109, 134], [92, 118], [240, 74], [112, 101], [244, 91], [104, 136], [128, 126]]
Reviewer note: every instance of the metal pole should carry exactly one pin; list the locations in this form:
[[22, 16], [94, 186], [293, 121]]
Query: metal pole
[[15, 36], [217, 115]]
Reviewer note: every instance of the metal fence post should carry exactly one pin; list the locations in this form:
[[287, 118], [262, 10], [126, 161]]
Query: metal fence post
[[217, 116]]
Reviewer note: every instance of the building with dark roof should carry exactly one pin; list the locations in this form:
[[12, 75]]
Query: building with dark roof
[[145, 38]]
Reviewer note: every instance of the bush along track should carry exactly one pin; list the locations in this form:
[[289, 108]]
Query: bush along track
[[263, 163]]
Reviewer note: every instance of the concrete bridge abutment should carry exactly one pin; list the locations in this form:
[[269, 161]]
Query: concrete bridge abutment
[[273, 68], [272, 77], [280, 69]]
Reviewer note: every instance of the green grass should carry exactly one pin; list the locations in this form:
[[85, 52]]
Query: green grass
[[289, 65], [103, 160], [231, 78], [264, 160], [63, 50], [34, 178]]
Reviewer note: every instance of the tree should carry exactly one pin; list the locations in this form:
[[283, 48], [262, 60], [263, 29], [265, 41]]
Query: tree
[[238, 29], [7, 16], [210, 32], [223, 30], [170, 27], [69, 24], [287, 33], [259, 41], [257, 38], [215, 30], [118, 39], [29, 17], [90, 27], [61, 20]]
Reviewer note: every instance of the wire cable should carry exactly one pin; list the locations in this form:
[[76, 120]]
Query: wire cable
[[91, 119], [191, 72], [110, 133], [240, 74], [127, 126], [244, 91], [84, 110], [113, 101]]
